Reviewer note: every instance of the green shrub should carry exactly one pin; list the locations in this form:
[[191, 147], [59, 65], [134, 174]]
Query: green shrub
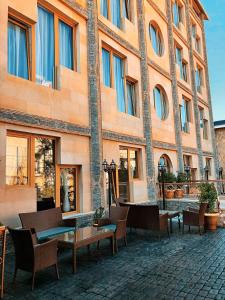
[[182, 177], [208, 194], [168, 177]]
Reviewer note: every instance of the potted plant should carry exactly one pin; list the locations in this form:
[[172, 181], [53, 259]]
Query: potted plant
[[179, 192], [169, 178], [98, 215], [208, 194]]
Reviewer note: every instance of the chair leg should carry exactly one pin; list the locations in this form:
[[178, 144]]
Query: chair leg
[[33, 278], [183, 229], [189, 228], [125, 240], [14, 276], [57, 271], [168, 232], [116, 245], [98, 245]]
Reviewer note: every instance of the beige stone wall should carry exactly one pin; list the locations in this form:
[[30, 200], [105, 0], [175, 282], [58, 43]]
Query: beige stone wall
[[220, 143]]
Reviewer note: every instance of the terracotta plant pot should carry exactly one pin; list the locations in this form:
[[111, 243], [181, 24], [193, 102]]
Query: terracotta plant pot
[[211, 221], [169, 194], [179, 193]]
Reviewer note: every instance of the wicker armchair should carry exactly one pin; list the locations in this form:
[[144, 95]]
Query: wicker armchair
[[117, 222], [31, 256], [195, 217]]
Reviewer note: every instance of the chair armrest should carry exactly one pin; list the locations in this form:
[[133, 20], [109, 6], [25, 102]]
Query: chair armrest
[[45, 254], [190, 213], [163, 221], [71, 222], [121, 227], [102, 222], [195, 210], [164, 216]]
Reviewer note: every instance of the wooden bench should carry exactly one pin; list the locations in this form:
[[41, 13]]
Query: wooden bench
[[47, 223]]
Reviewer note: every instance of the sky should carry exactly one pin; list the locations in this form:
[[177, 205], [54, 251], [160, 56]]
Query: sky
[[215, 36]]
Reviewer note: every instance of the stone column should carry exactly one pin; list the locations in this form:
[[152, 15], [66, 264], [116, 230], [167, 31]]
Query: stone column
[[176, 110], [94, 105], [194, 90], [211, 123], [147, 122]]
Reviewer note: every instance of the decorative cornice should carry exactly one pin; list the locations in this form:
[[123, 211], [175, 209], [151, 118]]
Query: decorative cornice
[[163, 145], [158, 68], [158, 10], [19, 118], [104, 28], [196, 54], [207, 153], [180, 36], [182, 86], [203, 102], [76, 7], [190, 150], [115, 136], [197, 19]]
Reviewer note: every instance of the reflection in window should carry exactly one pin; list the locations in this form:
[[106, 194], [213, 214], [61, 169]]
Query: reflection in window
[[104, 8], [185, 115], [116, 13], [126, 9], [156, 40], [106, 67], [131, 101], [66, 45], [198, 79], [177, 13], [134, 163], [160, 103], [119, 82], [16, 161], [68, 189], [17, 50], [45, 168]]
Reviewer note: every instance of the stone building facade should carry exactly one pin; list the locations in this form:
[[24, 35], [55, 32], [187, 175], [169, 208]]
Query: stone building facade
[[220, 142], [85, 80]]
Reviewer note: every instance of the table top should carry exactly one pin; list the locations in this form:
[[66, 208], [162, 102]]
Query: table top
[[83, 234], [171, 213]]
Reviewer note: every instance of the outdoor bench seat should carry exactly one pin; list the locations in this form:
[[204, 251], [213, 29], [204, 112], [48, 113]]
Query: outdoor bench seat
[[111, 227], [45, 234], [47, 223]]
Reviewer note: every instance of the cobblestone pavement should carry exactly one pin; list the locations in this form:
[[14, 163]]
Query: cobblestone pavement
[[185, 266]]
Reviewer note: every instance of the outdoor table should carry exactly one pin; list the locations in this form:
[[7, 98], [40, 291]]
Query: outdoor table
[[2, 258], [171, 215], [84, 237]]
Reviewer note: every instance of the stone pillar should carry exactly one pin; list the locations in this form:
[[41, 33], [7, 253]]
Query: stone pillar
[[211, 123], [147, 122], [194, 89], [94, 105], [176, 110]]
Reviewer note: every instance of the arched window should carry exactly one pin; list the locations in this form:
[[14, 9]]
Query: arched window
[[156, 38], [165, 161], [160, 102]]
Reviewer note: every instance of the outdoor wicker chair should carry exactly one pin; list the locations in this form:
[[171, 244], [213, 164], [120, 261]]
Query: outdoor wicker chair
[[195, 217], [31, 256]]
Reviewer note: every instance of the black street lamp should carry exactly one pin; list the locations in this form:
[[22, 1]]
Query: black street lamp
[[162, 170], [187, 170], [206, 169], [221, 177], [109, 168]]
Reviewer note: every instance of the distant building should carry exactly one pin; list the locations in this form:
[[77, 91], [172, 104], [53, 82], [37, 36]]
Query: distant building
[[220, 142], [81, 81]]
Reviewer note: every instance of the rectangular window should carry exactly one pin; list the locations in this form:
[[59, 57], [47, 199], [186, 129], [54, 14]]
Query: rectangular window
[[68, 189], [184, 71], [201, 116], [177, 13], [45, 47], [126, 9], [116, 13], [208, 164], [185, 115], [106, 67], [131, 101], [18, 50], [119, 82], [198, 45], [104, 8], [199, 79], [66, 45], [205, 129], [17, 160]]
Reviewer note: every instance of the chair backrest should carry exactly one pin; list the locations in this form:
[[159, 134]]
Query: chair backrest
[[143, 216], [24, 247], [202, 210], [42, 220], [118, 213]]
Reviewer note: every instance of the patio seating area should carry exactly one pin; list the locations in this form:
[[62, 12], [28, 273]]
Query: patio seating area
[[186, 266]]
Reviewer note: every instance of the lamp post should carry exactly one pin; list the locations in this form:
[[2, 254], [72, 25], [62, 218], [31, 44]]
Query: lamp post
[[109, 169], [206, 172], [187, 170], [162, 170], [221, 177]]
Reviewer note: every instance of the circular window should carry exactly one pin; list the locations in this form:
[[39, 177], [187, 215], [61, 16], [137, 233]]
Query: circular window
[[160, 102], [156, 38]]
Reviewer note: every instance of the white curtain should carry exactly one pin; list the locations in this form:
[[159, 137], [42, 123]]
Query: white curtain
[[66, 45], [119, 82], [115, 12], [126, 9], [106, 67], [104, 8], [45, 57], [17, 51]]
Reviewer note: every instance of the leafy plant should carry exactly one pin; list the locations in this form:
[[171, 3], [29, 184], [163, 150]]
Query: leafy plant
[[208, 194], [168, 177], [99, 213], [182, 177], [1, 224]]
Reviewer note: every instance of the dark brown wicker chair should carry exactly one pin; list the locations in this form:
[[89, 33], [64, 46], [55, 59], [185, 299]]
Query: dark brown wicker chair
[[117, 222], [195, 217], [31, 256], [147, 217]]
